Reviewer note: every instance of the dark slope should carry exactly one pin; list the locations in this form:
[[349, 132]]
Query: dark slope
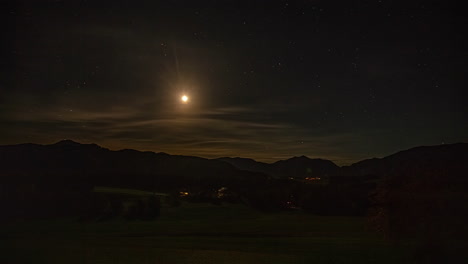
[[70, 164], [302, 167], [420, 193], [248, 164], [449, 158], [296, 167]]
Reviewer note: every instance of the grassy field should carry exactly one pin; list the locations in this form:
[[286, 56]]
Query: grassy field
[[199, 233]]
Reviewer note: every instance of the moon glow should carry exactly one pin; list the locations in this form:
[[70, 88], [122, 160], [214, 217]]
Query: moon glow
[[184, 98]]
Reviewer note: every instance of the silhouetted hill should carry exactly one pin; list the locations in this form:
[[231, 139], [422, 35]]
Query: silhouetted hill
[[420, 193], [430, 171], [302, 167], [69, 164], [448, 158], [296, 167], [248, 164]]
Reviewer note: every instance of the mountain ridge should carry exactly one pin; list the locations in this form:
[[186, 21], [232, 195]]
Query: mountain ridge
[[57, 172], [130, 160]]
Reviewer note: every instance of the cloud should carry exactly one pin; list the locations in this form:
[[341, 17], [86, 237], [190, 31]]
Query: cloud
[[245, 131]]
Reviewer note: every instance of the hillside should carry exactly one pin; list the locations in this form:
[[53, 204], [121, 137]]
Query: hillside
[[72, 165], [296, 167]]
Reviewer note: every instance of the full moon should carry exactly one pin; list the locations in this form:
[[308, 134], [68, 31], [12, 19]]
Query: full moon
[[184, 98]]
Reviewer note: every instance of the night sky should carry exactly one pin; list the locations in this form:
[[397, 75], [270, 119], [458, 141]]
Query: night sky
[[340, 80]]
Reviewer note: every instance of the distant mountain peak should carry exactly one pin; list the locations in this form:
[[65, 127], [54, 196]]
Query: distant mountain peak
[[237, 158], [67, 142], [70, 143], [302, 157]]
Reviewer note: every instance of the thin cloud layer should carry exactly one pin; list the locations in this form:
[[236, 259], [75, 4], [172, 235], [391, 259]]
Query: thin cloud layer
[[227, 131]]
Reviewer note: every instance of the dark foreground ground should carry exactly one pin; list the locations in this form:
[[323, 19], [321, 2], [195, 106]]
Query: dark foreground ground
[[200, 233]]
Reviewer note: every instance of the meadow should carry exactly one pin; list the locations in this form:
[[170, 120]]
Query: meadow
[[200, 233]]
